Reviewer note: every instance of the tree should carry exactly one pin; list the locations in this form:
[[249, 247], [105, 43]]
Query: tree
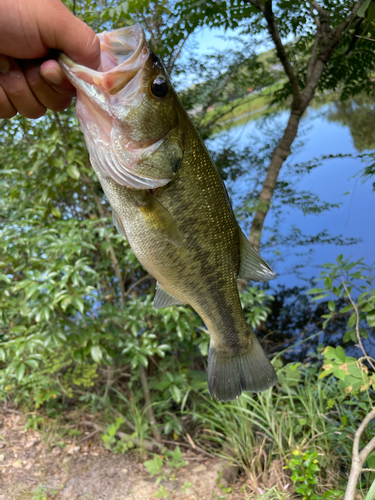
[[332, 28]]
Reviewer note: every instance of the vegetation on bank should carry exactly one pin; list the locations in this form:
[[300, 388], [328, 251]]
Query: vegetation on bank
[[253, 105]]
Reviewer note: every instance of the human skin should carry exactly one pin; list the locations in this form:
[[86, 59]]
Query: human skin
[[31, 34]]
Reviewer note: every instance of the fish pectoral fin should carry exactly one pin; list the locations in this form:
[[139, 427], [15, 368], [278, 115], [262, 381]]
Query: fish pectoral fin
[[160, 220], [164, 299], [118, 224], [252, 265]]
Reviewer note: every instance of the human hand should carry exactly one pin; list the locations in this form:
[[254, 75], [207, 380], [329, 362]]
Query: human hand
[[30, 78]]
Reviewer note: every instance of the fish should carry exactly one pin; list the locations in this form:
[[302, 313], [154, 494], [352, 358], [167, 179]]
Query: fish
[[169, 201]]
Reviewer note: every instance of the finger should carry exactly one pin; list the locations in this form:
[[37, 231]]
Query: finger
[[7, 110], [45, 94], [70, 35], [18, 92], [53, 74]]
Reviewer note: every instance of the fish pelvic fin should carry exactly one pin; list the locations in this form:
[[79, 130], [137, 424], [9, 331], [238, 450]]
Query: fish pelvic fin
[[164, 298], [118, 223], [229, 374]]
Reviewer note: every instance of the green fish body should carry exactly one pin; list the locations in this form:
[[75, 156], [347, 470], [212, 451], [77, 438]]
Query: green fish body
[[170, 203]]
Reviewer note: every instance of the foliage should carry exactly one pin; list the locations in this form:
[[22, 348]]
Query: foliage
[[110, 441], [354, 281], [371, 492], [305, 468], [158, 465], [340, 280], [352, 375], [304, 412]]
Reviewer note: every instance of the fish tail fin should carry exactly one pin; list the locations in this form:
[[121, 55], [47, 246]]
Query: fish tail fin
[[229, 374]]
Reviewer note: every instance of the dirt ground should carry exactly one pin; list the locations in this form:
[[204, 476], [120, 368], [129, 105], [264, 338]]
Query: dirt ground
[[34, 466]]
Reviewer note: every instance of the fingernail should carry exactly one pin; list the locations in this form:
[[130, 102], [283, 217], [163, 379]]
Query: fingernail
[[54, 77], [4, 65]]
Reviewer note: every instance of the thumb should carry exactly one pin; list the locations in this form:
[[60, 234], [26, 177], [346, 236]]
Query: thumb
[[72, 36]]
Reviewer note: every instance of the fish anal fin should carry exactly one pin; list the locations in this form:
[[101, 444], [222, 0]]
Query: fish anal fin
[[252, 265], [118, 223], [160, 220], [164, 299]]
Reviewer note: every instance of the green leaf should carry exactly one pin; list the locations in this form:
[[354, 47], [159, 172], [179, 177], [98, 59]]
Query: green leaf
[[96, 353], [315, 290], [56, 212], [370, 318], [177, 455], [78, 302], [331, 305], [5, 278], [2, 354], [371, 460], [362, 10], [347, 336], [371, 492], [322, 296], [363, 333], [176, 393], [33, 363], [73, 171], [142, 360], [154, 466], [352, 320], [20, 371]]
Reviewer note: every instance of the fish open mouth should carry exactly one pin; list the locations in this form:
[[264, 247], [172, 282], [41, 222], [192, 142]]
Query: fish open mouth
[[105, 97], [123, 54]]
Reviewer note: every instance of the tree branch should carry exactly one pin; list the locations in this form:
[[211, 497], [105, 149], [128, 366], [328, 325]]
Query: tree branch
[[153, 39], [360, 345], [174, 58], [331, 37], [280, 49], [359, 457], [337, 32], [320, 9], [258, 4], [131, 287], [311, 65]]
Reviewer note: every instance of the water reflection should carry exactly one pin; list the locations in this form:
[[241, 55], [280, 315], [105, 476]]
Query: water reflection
[[357, 114]]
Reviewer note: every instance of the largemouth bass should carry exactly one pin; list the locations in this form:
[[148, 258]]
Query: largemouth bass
[[170, 203]]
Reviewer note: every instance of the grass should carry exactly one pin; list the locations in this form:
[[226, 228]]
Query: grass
[[260, 432], [252, 104], [271, 494]]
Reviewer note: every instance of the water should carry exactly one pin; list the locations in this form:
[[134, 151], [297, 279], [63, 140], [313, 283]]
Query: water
[[325, 131]]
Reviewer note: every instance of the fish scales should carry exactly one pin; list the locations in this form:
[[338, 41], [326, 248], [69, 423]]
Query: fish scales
[[181, 226]]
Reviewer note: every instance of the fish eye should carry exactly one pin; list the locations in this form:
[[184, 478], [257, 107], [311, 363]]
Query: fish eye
[[159, 87]]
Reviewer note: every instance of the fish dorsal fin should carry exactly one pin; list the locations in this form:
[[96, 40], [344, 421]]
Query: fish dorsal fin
[[160, 220], [164, 299], [117, 223], [252, 266]]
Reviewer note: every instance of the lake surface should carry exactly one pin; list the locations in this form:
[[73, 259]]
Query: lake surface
[[333, 129]]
